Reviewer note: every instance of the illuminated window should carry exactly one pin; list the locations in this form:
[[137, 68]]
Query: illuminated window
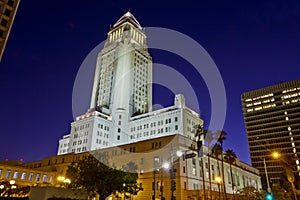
[[23, 176], [45, 178], [38, 176], [16, 173], [30, 178], [7, 175]]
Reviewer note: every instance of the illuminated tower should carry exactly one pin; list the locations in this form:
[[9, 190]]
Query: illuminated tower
[[121, 103], [124, 71]]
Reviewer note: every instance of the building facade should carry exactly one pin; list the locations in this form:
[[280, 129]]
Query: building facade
[[121, 104], [272, 117], [24, 176], [194, 177], [8, 9]]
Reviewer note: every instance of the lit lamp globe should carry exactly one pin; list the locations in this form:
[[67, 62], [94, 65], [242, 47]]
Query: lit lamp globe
[[276, 155], [218, 179], [179, 153], [166, 165]]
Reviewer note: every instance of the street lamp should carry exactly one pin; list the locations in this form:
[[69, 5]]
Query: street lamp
[[267, 177], [218, 179], [274, 155], [64, 180], [289, 172]]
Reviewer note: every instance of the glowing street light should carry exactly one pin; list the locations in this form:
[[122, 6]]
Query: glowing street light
[[68, 181], [275, 155], [218, 179], [60, 178], [166, 165], [179, 153], [12, 182]]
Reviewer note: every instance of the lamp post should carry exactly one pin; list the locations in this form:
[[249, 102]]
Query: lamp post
[[266, 172], [218, 179], [289, 172]]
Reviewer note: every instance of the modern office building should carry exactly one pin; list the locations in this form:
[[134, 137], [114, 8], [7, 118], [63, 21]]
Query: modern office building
[[121, 104], [272, 119], [8, 9]]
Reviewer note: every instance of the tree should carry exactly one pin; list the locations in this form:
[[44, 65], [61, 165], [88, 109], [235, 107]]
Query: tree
[[199, 131], [250, 193], [8, 190], [230, 157], [97, 177], [221, 137], [281, 194], [209, 138], [216, 152], [130, 184]]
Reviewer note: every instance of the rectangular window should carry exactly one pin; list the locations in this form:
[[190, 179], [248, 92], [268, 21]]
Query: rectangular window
[[4, 22], [10, 3], [30, 178], [50, 179], [1, 33], [183, 169], [118, 137], [7, 12], [23, 176], [38, 177], [228, 176], [194, 171], [7, 175], [176, 127], [0, 173]]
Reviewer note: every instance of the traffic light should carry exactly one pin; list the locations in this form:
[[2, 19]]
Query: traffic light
[[269, 196], [172, 173], [173, 185]]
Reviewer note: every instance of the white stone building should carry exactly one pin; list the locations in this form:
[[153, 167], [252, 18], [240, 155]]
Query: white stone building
[[121, 102]]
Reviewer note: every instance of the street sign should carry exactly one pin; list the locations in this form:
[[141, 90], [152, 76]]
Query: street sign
[[190, 155]]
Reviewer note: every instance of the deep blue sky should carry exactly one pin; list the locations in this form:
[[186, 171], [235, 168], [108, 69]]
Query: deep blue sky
[[254, 44]]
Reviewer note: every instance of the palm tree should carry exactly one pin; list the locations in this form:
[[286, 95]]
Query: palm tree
[[216, 152], [230, 157], [209, 138], [221, 138], [199, 131]]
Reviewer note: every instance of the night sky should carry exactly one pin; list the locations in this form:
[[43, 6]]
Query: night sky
[[254, 43]]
